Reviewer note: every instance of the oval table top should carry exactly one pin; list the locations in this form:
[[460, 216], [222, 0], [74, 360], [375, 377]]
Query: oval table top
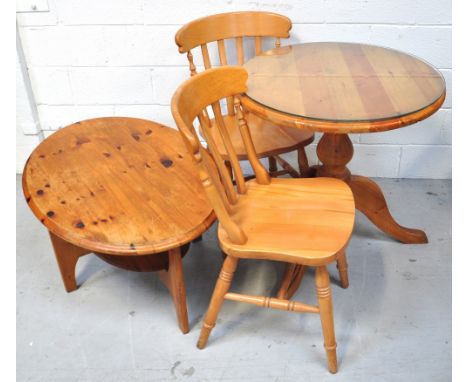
[[342, 87], [118, 186]]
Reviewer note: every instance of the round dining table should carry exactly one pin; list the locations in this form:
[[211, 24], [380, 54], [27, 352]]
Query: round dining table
[[340, 89]]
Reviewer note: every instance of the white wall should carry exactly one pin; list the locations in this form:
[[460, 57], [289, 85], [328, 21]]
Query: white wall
[[28, 134], [90, 58]]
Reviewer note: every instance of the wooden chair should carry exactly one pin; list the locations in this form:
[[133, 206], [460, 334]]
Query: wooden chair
[[269, 139], [306, 221]]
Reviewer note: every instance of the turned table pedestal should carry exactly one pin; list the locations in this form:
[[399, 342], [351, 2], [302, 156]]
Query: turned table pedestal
[[339, 89], [123, 189]]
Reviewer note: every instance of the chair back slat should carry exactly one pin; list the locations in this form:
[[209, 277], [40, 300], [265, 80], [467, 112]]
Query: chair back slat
[[213, 149], [223, 60], [230, 25], [208, 178], [206, 56], [212, 170], [236, 168], [240, 50], [218, 28], [261, 174], [222, 52], [188, 103], [258, 45]]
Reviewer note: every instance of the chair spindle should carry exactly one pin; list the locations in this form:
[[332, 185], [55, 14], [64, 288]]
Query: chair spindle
[[240, 50], [240, 182], [260, 172], [258, 45], [206, 56]]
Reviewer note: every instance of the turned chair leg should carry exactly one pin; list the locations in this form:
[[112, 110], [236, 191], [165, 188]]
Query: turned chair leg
[[322, 282], [303, 162], [342, 265], [272, 165], [222, 286]]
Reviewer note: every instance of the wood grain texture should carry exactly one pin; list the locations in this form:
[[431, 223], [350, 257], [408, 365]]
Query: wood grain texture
[[273, 303], [230, 25], [117, 186], [316, 215], [67, 256], [335, 151], [125, 189], [142, 263], [324, 298], [301, 221], [269, 139], [342, 87], [342, 266], [370, 200], [173, 279], [319, 212], [222, 286]]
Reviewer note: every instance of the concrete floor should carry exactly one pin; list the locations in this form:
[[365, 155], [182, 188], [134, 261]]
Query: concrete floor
[[392, 324]]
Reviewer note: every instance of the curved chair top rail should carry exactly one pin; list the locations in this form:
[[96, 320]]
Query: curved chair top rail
[[230, 25]]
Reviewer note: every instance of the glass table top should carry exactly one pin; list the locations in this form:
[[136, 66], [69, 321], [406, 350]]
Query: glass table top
[[342, 82]]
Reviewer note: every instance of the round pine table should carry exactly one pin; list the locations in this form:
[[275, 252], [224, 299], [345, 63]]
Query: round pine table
[[124, 189], [340, 89]]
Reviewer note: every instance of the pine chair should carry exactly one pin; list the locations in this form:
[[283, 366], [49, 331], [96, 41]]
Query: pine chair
[[269, 139], [305, 221]]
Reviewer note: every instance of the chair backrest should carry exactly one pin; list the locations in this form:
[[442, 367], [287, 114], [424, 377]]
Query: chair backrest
[[189, 102], [233, 25]]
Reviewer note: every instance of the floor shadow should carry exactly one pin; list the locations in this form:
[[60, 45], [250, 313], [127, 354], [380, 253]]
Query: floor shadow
[[92, 265]]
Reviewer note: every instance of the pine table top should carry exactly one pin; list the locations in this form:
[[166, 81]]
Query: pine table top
[[118, 186]]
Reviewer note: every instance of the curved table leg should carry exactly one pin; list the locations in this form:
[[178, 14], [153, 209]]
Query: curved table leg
[[371, 202], [335, 151], [67, 256]]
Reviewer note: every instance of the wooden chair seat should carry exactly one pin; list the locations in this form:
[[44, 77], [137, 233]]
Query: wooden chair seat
[[303, 221], [269, 139]]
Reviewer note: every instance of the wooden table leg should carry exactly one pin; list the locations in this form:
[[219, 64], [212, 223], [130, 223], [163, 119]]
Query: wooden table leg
[[335, 151], [292, 278], [272, 166], [173, 278], [67, 256], [302, 161], [342, 266], [371, 202]]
